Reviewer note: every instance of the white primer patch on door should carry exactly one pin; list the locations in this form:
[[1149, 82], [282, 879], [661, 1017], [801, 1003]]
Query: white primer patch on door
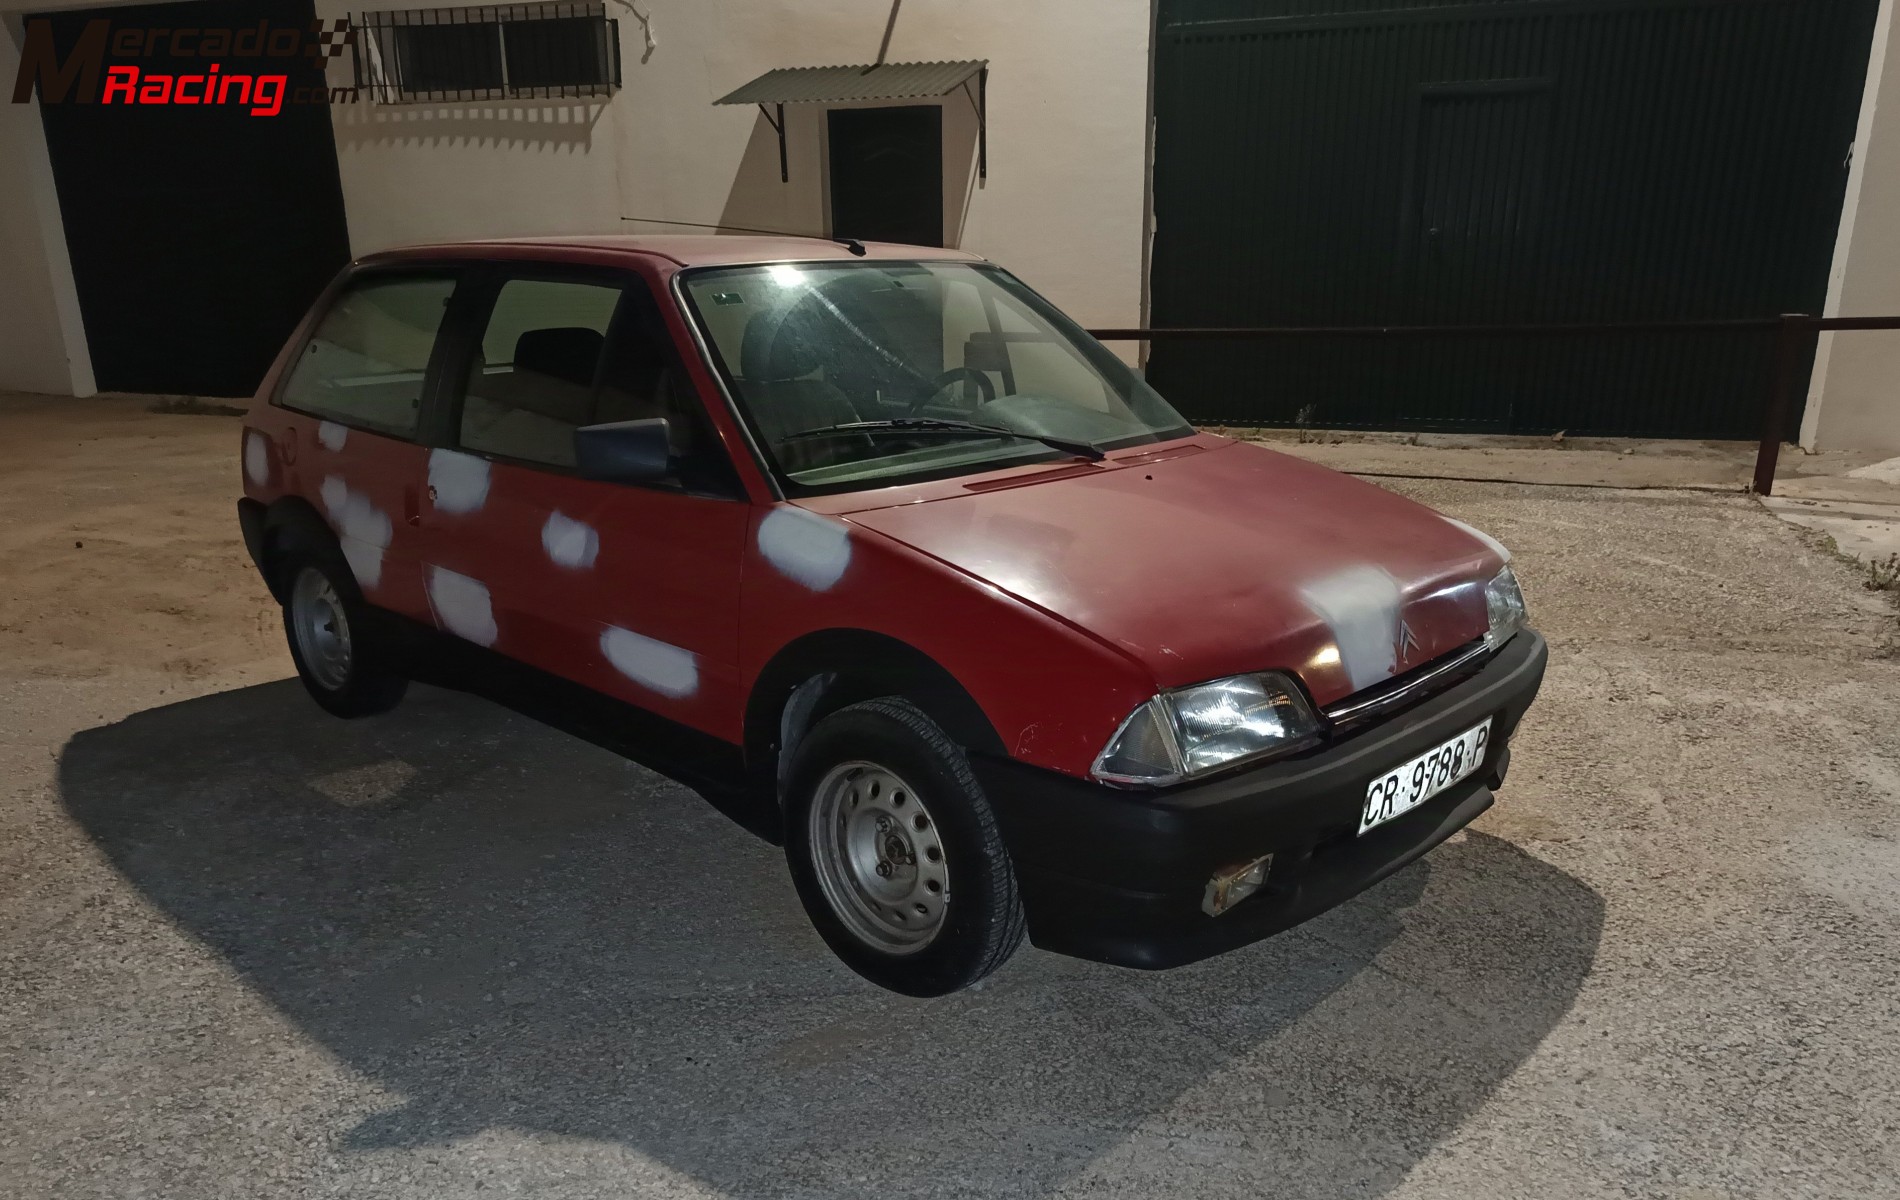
[[363, 531], [256, 457], [651, 663], [332, 435], [462, 606], [458, 483], [570, 543], [806, 547], [1361, 606]]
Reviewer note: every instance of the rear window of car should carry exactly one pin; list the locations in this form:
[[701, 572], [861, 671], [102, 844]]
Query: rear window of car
[[366, 362]]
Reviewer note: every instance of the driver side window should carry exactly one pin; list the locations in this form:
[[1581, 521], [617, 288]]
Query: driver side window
[[557, 354]]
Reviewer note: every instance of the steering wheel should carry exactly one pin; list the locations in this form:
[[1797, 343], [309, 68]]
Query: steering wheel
[[953, 375]]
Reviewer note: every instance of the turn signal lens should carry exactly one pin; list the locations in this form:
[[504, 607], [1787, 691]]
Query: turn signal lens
[[1142, 750], [1231, 885]]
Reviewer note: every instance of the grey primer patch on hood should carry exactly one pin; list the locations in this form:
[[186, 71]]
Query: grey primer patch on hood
[[1496, 547], [1361, 606]]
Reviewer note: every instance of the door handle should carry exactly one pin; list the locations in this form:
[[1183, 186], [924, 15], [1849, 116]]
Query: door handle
[[411, 511]]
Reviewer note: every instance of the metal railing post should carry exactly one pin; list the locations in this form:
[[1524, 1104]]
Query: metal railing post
[[1788, 337]]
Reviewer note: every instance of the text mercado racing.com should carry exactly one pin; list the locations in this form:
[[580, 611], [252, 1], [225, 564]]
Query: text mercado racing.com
[[264, 93], [100, 48]]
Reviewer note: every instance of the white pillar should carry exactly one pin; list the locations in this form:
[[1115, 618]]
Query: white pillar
[[42, 339], [1854, 393]]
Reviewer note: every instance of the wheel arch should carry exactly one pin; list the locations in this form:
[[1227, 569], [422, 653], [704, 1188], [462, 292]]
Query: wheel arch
[[822, 672], [284, 519]]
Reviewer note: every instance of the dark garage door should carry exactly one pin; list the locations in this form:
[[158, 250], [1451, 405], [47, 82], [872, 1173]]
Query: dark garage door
[[887, 174], [199, 234], [1516, 161]]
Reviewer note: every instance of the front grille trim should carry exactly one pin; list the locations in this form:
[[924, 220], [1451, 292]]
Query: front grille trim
[[1417, 684]]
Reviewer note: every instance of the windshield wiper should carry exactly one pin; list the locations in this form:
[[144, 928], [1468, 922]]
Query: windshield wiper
[[1086, 450]]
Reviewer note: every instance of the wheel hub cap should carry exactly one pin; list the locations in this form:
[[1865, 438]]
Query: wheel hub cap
[[322, 630], [878, 857]]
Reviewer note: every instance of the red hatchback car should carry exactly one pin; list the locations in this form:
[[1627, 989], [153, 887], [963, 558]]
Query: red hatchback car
[[883, 554]]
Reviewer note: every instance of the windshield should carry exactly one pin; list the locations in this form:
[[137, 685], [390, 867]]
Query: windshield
[[812, 349]]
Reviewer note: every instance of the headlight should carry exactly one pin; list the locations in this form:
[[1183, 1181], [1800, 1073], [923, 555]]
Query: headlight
[[1179, 735], [1504, 604]]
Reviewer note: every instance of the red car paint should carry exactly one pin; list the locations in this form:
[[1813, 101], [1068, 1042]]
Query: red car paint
[[1060, 596]]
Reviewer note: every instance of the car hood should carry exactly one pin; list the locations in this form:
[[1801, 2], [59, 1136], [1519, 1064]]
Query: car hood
[[1214, 558]]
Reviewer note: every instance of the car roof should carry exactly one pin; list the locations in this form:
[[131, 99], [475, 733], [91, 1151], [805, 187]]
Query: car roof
[[689, 249]]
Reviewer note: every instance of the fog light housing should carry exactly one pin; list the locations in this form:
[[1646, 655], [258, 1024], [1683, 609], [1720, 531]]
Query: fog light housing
[[1231, 885]]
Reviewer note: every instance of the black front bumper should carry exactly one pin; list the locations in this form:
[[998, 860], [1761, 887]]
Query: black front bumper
[[1118, 876]]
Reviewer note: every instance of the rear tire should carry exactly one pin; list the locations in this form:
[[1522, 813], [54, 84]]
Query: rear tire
[[341, 663], [896, 853]]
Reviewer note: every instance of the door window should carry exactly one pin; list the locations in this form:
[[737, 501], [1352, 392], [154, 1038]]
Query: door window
[[556, 355], [532, 384], [366, 362]]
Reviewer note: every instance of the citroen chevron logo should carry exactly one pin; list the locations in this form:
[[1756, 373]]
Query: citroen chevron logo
[[1407, 645]]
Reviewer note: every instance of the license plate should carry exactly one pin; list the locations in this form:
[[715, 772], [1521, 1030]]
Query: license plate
[[1411, 784]]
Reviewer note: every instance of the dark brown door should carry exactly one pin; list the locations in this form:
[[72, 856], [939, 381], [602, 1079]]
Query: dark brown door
[[887, 174], [200, 233]]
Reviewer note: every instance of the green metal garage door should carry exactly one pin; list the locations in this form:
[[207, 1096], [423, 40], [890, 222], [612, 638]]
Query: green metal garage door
[[1332, 162]]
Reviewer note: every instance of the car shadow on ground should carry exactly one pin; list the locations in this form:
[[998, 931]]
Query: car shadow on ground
[[509, 927]]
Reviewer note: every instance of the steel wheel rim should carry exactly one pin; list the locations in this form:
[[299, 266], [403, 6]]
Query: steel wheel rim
[[321, 628], [879, 857]]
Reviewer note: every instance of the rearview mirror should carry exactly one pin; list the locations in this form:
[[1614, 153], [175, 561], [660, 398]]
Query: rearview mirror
[[624, 451]]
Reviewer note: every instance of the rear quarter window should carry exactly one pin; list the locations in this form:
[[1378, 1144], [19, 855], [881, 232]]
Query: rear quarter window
[[366, 362]]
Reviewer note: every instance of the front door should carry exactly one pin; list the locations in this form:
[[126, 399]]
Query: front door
[[887, 174], [629, 590]]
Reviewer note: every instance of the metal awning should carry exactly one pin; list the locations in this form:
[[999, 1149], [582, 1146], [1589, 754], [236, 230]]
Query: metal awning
[[831, 85], [872, 81]]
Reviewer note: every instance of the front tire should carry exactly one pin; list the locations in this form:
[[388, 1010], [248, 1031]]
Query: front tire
[[340, 665], [896, 853]]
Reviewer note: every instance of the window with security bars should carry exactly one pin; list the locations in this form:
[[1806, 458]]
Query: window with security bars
[[488, 52]]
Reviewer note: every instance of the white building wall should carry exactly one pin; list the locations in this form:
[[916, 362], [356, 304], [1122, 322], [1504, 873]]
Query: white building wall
[[1068, 111], [42, 341], [1854, 393]]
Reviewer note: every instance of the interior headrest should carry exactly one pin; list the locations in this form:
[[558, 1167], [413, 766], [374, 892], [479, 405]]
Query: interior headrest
[[777, 346], [565, 352]]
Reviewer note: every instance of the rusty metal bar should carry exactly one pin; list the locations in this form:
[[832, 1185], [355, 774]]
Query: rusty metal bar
[[1246, 333], [1834, 324], [778, 127], [1278, 331], [1791, 331]]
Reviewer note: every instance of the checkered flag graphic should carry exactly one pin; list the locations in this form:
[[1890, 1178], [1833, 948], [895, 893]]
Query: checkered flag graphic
[[330, 41]]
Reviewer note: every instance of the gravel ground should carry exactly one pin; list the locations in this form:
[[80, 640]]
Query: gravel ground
[[249, 951]]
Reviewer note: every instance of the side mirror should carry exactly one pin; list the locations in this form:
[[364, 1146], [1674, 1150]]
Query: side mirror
[[624, 451]]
